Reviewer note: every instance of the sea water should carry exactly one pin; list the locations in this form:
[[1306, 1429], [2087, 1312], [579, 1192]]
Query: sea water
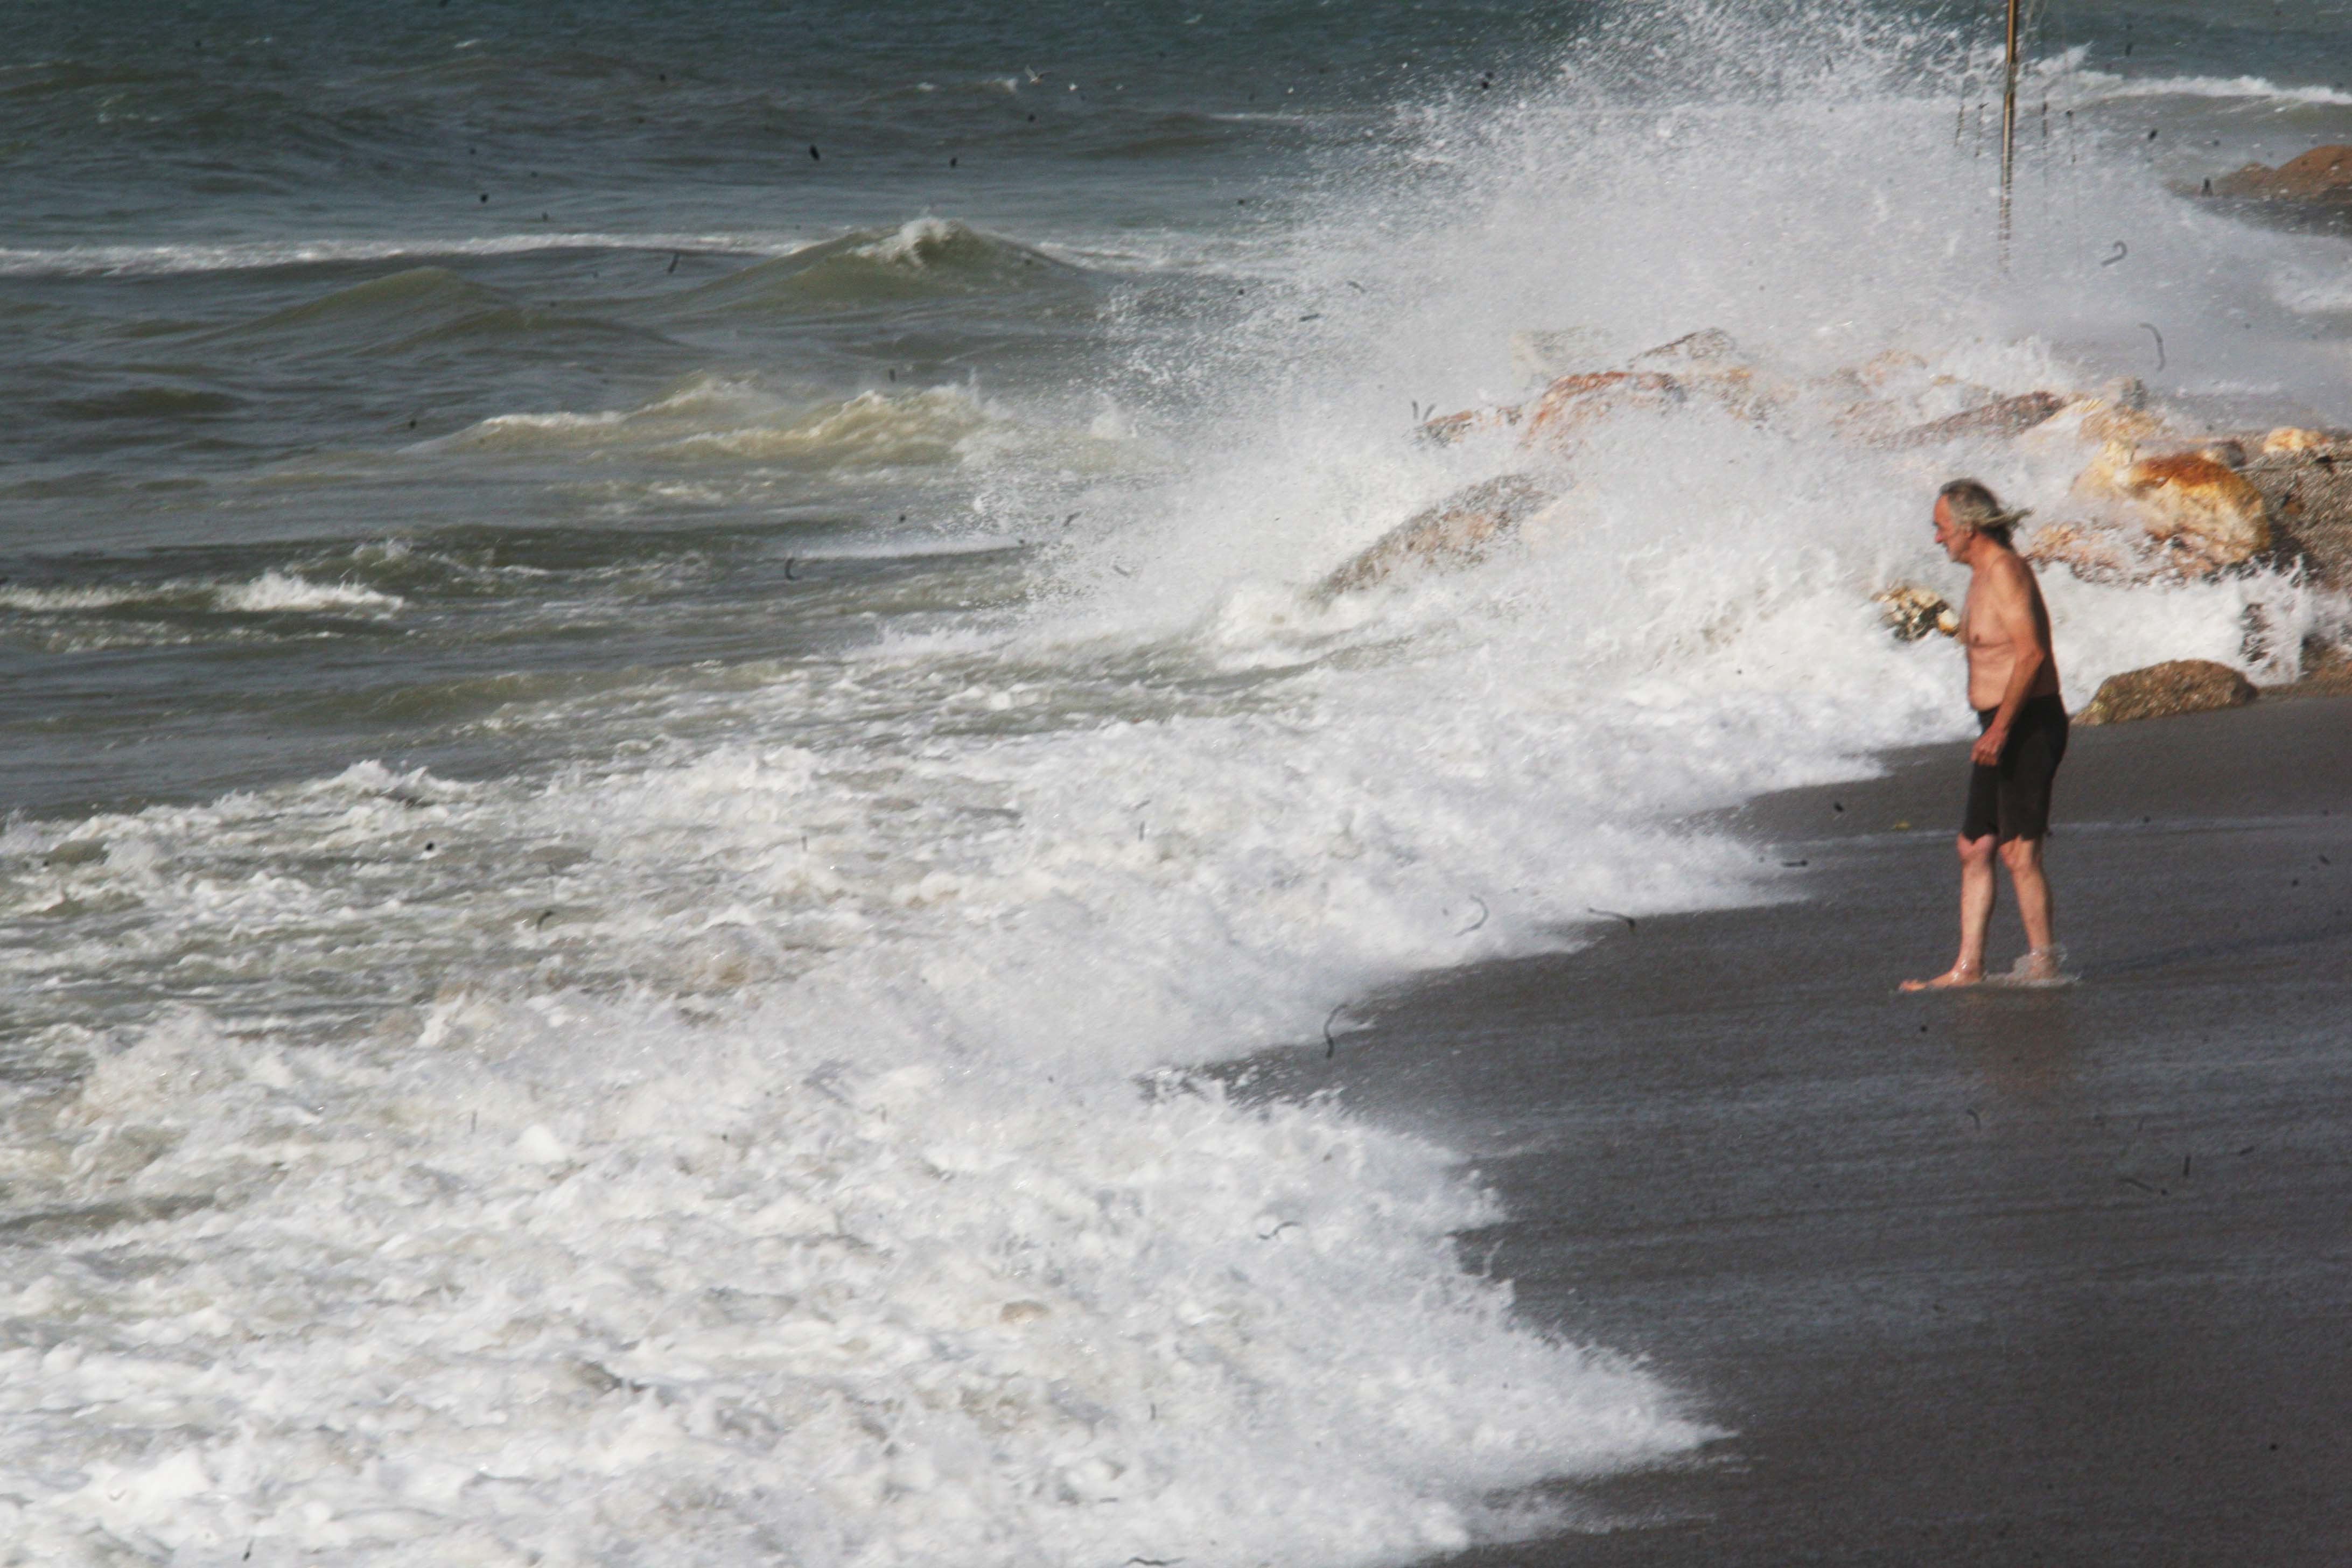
[[664, 670]]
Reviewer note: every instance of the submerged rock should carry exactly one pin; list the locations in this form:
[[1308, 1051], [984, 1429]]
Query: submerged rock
[[1704, 362], [2004, 416], [2160, 691], [1708, 346], [1447, 429], [1454, 533], [1912, 612], [1577, 400], [2094, 554]]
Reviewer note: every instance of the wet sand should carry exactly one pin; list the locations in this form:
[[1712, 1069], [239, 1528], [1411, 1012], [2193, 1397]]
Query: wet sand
[[2002, 1276]]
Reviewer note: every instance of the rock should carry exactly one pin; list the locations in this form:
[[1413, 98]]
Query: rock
[[2006, 417], [2105, 420], [2230, 452], [2160, 691], [1708, 346], [2211, 515], [2322, 174], [2309, 492], [2095, 554], [1887, 366], [2124, 392], [1454, 533], [1911, 612], [1577, 400], [2289, 438], [1447, 429]]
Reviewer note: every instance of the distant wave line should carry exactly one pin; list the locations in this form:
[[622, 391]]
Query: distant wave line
[[2101, 84], [156, 260], [169, 261]]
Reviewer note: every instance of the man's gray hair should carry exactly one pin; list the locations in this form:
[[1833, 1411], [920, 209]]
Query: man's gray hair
[[1974, 506]]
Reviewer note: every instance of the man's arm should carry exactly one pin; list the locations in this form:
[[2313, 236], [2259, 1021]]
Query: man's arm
[[2010, 606]]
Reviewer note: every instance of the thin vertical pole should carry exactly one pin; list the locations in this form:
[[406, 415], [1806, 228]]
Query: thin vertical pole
[[2007, 132]]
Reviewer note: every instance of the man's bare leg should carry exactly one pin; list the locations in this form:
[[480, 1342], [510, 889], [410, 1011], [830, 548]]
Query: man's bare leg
[[2035, 906], [1977, 892]]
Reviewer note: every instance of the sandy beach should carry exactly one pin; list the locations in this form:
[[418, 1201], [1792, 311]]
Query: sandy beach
[[2007, 1277]]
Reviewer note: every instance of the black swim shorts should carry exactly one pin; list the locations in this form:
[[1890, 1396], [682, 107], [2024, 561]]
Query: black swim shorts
[[2012, 799]]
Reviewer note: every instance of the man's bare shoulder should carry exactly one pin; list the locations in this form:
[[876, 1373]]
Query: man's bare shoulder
[[2009, 573]]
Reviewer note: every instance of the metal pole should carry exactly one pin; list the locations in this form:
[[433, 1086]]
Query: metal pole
[[2007, 132]]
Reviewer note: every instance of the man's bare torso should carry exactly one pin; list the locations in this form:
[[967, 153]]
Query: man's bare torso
[[2002, 584]]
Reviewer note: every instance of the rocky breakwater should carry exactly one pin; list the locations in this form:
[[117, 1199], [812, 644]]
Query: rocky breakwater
[[1457, 530], [2152, 502]]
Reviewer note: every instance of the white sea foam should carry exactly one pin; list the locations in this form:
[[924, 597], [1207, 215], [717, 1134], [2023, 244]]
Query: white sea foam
[[272, 591], [557, 1287], [726, 420], [914, 244], [276, 590], [2251, 89]]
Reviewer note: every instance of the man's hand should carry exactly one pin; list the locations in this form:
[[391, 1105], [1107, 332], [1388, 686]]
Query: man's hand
[[1986, 752]]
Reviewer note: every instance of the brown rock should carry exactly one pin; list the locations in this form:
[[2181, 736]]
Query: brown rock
[[2095, 554], [2322, 174], [2211, 515], [2007, 417], [1708, 346], [2104, 421], [1577, 400], [2290, 438], [1447, 429], [2160, 691], [1703, 360], [1911, 612], [1454, 532]]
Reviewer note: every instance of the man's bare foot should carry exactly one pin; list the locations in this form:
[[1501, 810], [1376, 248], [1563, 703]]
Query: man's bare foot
[[1958, 975]]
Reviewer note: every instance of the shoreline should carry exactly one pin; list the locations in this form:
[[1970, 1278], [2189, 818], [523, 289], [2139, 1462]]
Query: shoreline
[[1995, 1276]]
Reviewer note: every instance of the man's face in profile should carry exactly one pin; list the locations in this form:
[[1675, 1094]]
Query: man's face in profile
[[1949, 533]]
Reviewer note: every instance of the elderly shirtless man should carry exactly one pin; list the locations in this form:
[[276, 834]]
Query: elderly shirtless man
[[2013, 686]]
